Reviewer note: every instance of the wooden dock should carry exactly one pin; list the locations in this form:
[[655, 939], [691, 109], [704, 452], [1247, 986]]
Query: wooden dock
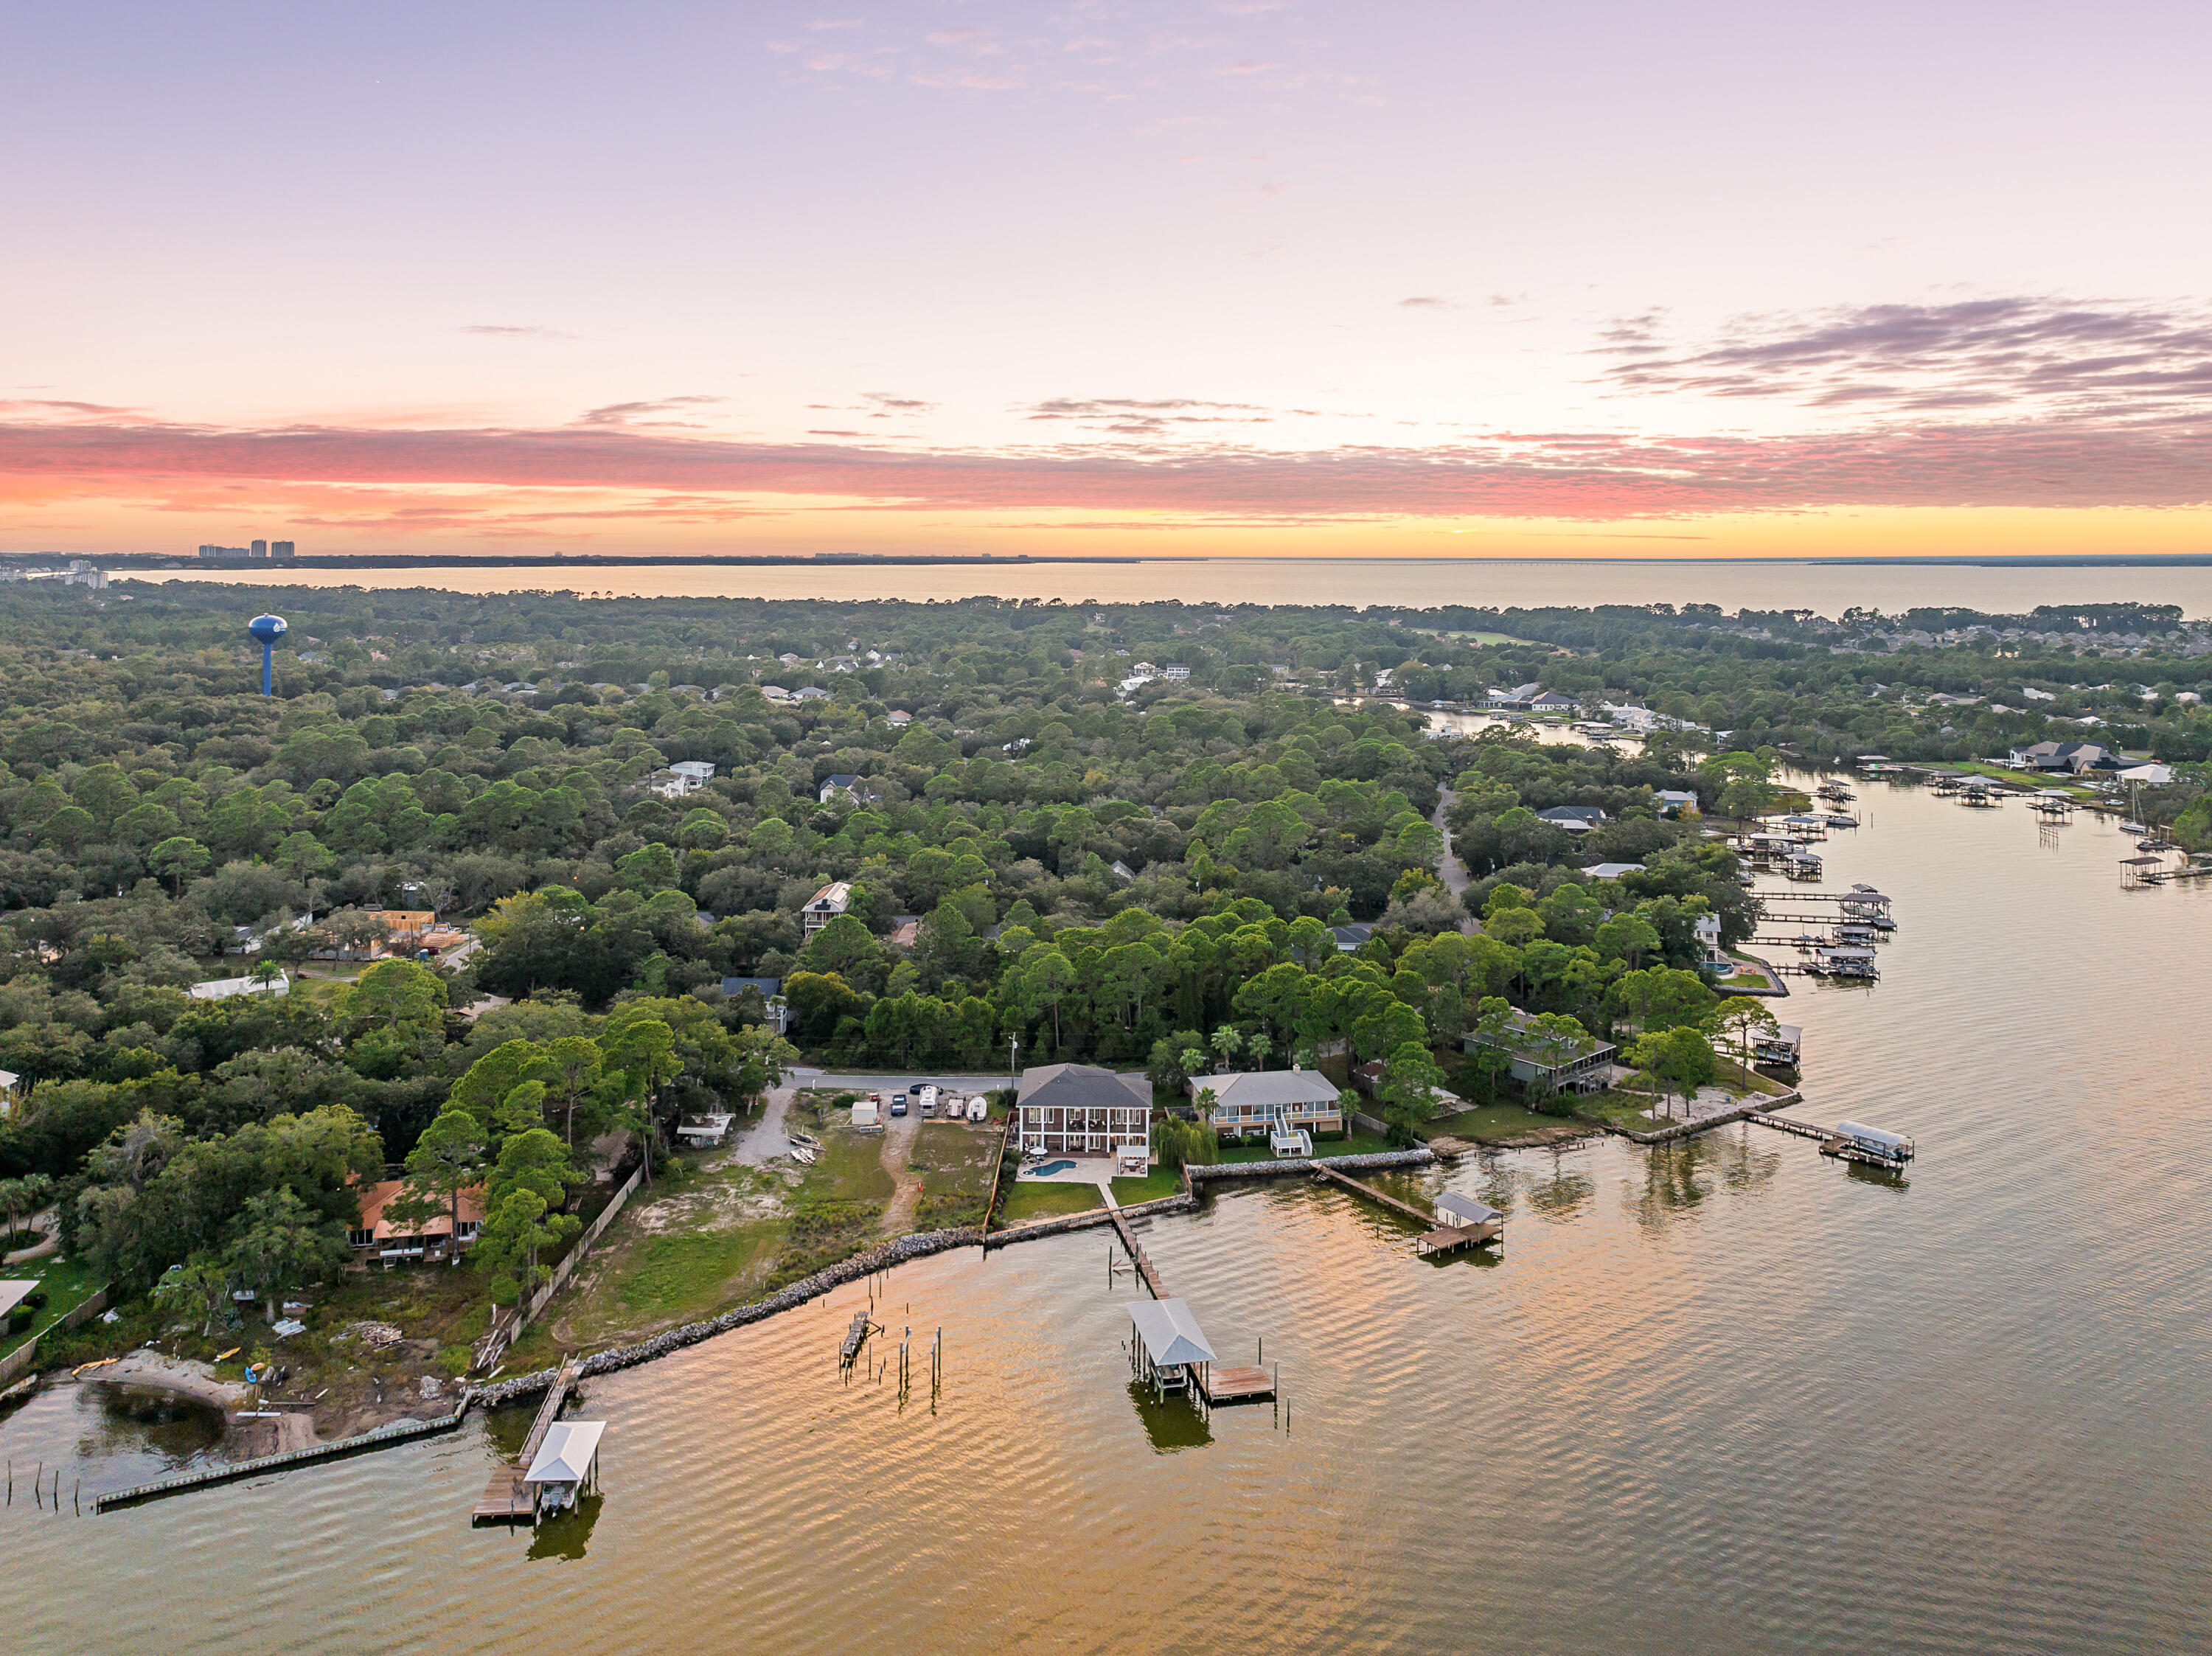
[[1219, 1385], [855, 1338], [1145, 1268], [1784, 1124], [506, 1499], [1831, 1143], [1445, 1238], [1436, 1238]]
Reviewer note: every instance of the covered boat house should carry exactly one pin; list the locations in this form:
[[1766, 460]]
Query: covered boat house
[[1171, 1351], [567, 1466]]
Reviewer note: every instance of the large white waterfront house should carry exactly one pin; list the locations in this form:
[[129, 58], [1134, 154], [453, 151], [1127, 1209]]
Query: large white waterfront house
[[1260, 1101]]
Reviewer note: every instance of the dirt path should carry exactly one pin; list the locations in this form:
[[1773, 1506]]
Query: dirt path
[[898, 1153], [765, 1141]]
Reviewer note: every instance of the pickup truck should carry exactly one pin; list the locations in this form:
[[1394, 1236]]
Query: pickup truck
[[898, 1103]]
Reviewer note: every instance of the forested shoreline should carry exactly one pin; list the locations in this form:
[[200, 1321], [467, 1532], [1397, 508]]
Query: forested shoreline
[[1042, 847]]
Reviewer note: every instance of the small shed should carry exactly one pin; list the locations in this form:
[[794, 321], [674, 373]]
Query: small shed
[[1169, 1347], [867, 1117], [1464, 1211], [567, 1465]]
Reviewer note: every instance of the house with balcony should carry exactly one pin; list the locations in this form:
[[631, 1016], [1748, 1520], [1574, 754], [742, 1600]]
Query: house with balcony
[[825, 905], [376, 1237], [1081, 1110], [684, 776], [1563, 1063], [1281, 1103]]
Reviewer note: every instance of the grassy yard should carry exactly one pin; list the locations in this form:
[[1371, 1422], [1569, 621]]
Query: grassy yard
[[66, 1284], [704, 1235], [1492, 1124], [2025, 780], [956, 1162], [1358, 1142], [1632, 1106], [1032, 1198], [850, 1168], [1160, 1182], [1623, 1109]]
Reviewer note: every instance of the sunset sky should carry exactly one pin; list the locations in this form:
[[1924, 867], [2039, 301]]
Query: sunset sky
[[1252, 277]]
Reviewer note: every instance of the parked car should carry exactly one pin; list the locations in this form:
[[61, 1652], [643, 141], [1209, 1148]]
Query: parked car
[[898, 1103]]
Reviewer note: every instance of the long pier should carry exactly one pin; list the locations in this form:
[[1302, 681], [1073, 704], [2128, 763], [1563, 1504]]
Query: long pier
[[1784, 1124], [1215, 1384], [230, 1471], [1438, 1235], [1145, 1268], [505, 1498], [1831, 1143]]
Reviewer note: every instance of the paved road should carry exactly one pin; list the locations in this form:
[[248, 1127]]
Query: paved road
[[1450, 870], [904, 1082]]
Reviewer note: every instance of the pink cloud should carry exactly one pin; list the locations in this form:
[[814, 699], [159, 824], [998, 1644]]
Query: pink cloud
[[1579, 475]]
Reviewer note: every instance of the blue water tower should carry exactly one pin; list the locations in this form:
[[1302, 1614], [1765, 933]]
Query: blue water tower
[[268, 629]]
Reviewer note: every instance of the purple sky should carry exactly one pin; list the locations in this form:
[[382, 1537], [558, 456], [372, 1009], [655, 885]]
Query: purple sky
[[1240, 277]]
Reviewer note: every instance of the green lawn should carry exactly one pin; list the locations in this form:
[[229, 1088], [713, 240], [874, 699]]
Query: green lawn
[[66, 1283], [1628, 1110], [1489, 1124], [2027, 781], [956, 1162], [849, 1169], [1160, 1182], [703, 1236], [1031, 1199], [671, 1276]]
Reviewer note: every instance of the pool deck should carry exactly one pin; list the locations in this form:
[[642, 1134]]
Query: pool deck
[[1076, 1170]]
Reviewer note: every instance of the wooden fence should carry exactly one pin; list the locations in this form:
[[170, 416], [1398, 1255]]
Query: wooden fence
[[25, 1356], [507, 1327]]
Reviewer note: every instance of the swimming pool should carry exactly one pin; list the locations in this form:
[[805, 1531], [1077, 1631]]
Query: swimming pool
[[1049, 1167]]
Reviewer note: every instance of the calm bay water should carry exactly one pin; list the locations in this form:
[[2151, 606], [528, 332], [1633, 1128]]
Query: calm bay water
[[1727, 1397], [1421, 583]]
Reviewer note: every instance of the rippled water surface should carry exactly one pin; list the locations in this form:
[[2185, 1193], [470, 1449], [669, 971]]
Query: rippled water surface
[[1725, 1397]]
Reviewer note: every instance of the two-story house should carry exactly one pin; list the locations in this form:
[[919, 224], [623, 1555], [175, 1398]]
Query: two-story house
[[1080, 1109]]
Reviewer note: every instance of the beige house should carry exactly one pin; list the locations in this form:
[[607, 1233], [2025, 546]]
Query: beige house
[[1262, 1100], [825, 905]]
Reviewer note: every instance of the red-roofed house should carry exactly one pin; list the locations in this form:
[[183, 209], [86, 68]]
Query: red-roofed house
[[378, 1237]]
